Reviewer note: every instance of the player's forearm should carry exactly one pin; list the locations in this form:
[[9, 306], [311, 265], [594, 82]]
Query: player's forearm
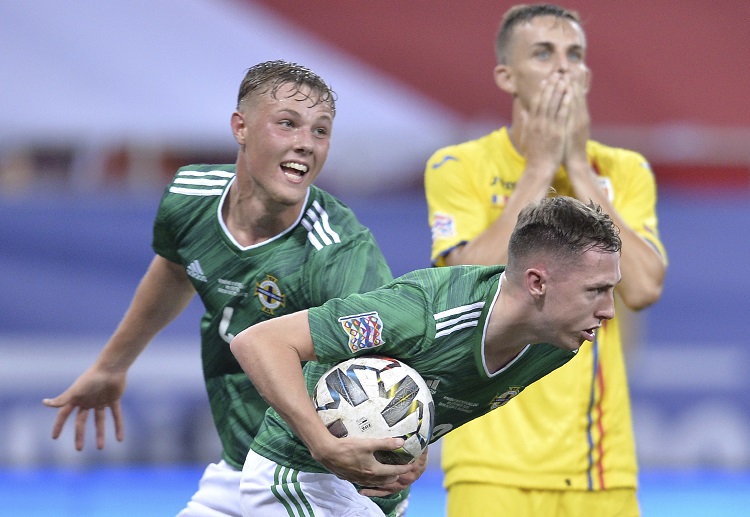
[[274, 367], [161, 296], [643, 271], [585, 183], [488, 248], [641, 266], [491, 246]]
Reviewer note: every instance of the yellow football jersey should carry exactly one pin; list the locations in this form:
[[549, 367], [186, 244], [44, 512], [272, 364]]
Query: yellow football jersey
[[572, 429]]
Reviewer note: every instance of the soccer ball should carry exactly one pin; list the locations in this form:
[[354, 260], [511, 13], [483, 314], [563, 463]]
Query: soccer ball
[[377, 397]]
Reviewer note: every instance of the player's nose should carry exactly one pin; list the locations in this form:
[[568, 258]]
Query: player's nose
[[607, 310]]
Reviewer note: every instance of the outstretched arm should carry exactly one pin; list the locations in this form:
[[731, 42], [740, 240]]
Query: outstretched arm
[[271, 354], [163, 293]]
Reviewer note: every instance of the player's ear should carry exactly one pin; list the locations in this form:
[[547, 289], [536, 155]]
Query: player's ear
[[238, 127], [504, 78], [536, 282]]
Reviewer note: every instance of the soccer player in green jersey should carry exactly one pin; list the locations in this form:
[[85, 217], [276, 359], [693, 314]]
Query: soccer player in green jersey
[[478, 335], [255, 240]]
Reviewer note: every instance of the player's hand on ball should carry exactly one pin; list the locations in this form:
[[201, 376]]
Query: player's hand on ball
[[401, 483], [94, 389], [353, 459], [380, 411]]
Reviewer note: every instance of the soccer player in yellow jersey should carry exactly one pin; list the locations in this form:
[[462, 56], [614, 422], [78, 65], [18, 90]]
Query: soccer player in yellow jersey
[[565, 447]]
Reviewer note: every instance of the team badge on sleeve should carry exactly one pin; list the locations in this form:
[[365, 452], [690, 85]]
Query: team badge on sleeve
[[443, 226], [364, 330]]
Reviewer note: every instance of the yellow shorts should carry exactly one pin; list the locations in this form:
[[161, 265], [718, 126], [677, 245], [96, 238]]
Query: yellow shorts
[[480, 500]]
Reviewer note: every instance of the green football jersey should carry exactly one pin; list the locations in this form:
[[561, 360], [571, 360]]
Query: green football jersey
[[434, 320], [325, 254]]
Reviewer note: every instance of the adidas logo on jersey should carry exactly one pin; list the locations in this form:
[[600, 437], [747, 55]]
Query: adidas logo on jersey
[[195, 270]]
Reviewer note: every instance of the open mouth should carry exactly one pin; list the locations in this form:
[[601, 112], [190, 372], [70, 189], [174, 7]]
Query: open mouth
[[590, 334], [294, 170]]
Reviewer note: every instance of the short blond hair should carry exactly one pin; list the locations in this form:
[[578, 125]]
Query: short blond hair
[[269, 76]]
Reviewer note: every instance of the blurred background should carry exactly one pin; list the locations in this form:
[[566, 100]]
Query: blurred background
[[100, 102]]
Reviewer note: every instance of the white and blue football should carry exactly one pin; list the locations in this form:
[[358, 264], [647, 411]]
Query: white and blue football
[[377, 397]]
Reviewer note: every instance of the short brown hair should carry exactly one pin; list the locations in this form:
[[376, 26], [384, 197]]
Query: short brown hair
[[565, 228], [525, 13]]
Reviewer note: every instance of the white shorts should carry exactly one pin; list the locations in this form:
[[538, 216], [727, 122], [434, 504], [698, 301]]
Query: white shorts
[[218, 493], [270, 490]]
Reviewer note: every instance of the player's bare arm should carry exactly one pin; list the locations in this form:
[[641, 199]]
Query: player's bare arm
[[274, 367], [540, 138], [642, 268], [162, 294], [490, 246]]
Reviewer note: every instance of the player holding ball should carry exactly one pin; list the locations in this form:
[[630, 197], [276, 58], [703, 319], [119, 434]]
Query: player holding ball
[[478, 336]]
